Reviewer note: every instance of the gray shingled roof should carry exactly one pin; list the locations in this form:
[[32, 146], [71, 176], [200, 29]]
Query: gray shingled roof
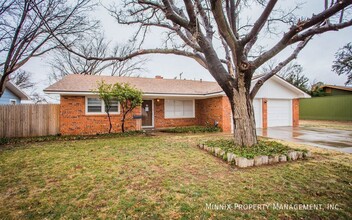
[[87, 83]]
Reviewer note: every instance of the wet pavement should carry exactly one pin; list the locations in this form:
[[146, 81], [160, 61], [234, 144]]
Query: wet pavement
[[333, 139]]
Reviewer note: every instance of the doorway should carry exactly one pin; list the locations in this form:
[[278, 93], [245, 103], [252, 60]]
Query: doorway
[[148, 113]]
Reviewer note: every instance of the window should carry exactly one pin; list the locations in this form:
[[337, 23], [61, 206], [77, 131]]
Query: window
[[96, 105], [13, 101], [179, 108]]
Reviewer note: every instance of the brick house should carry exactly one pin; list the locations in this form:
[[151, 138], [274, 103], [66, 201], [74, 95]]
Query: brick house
[[169, 103]]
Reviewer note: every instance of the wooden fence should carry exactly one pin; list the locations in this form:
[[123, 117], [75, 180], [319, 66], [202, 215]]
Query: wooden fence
[[29, 120]]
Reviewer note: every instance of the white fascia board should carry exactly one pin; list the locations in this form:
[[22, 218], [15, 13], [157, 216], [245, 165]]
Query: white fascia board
[[17, 91], [284, 83], [70, 93], [293, 88], [150, 95], [145, 95]]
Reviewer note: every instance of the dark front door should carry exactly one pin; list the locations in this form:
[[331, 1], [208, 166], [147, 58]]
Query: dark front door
[[147, 113]]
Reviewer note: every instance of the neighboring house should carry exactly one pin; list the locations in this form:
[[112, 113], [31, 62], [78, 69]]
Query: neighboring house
[[337, 90], [170, 103], [13, 95]]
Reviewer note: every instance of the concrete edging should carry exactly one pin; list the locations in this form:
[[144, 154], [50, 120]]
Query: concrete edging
[[243, 162]]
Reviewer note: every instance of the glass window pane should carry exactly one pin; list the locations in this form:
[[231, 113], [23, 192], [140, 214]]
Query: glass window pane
[[114, 105], [188, 105], [169, 108], [94, 109], [94, 101], [113, 102], [188, 108], [94, 105], [179, 108], [114, 108]]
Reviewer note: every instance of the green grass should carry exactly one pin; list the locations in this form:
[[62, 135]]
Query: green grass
[[263, 148], [164, 177], [191, 129]]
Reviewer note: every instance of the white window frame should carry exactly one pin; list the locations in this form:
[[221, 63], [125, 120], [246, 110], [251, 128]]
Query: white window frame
[[171, 117], [13, 100], [102, 108]]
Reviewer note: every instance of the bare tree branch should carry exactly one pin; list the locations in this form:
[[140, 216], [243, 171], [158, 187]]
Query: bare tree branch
[[23, 34], [259, 24], [224, 28], [282, 64], [300, 27]]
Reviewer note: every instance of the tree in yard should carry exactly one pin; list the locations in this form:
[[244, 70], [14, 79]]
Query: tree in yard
[[293, 73], [129, 98], [316, 89], [106, 93], [25, 25], [22, 79], [64, 63], [197, 29], [343, 63]]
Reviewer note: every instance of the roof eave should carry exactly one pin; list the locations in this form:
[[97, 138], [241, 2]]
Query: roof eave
[[300, 93], [151, 95], [17, 91]]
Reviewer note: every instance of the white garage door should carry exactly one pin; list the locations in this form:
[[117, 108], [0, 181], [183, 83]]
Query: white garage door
[[279, 112], [257, 105]]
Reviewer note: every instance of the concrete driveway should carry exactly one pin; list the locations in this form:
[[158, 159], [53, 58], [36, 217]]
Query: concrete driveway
[[334, 139]]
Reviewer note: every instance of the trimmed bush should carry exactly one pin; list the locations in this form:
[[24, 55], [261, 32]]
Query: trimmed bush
[[192, 129]]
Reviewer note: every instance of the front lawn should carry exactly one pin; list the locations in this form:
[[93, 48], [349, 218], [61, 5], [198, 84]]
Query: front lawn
[[163, 177]]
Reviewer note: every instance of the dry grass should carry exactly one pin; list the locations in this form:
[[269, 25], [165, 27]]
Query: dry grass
[[341, 125], [163, 177]]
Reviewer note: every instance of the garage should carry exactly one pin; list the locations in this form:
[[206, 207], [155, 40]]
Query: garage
[[279, 112], [276, 104]]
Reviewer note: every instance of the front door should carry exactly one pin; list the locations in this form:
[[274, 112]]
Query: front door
[[147, 113]]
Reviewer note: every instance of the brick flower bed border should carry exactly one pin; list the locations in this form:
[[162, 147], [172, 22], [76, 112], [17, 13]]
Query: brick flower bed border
[[243, 162]]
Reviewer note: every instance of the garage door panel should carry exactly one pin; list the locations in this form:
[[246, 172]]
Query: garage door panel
[[257, 105], [279, 113]]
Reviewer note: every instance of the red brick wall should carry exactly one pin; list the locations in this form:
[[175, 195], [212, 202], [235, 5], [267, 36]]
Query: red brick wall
[[74, 121], [211, 111], [265, 113], [206, 111], [295, 112], [216, 109], [227, 120]]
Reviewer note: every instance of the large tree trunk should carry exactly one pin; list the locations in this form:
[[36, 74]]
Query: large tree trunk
[[243, 117]]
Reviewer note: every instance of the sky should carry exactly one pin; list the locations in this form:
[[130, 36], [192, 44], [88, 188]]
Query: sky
[[316, 58]]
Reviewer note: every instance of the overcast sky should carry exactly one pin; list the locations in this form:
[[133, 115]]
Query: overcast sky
[[316, 58]]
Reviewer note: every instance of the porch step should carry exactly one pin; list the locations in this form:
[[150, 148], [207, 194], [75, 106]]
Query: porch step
[[149, 131]]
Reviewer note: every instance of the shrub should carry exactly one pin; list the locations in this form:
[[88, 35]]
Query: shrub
[[264, 147], [192, 129]]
